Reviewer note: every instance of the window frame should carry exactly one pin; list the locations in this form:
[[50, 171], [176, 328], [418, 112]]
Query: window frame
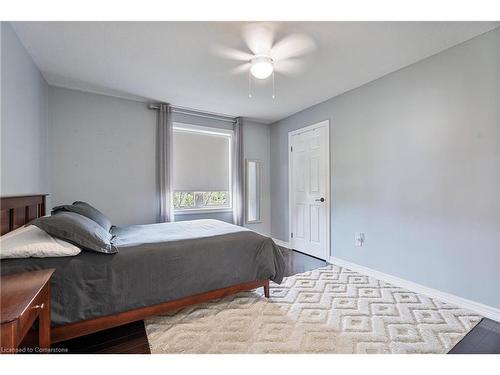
[[184, 127]]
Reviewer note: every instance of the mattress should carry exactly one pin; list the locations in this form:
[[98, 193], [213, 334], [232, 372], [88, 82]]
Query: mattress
[[156, 263]]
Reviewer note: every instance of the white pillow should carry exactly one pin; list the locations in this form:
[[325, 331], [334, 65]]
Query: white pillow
[[31, 241]]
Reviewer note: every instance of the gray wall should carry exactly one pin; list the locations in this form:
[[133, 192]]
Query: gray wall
[[415, 165], [23, 120], [102, 150]]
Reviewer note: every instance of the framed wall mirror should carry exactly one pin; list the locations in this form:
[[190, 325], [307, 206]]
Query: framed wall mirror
[[253, 191]]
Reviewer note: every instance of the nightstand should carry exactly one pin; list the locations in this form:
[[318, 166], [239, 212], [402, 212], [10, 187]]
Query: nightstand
[[25, 297]]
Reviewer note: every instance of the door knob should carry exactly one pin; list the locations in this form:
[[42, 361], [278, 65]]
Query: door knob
[[320, 200]]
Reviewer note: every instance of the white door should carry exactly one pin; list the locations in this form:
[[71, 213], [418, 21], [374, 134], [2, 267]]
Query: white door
[[309, 190]]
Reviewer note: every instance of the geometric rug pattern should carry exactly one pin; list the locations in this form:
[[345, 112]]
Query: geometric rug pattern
[[327, 310]]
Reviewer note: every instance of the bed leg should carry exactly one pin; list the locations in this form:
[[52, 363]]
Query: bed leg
[[266, 288]]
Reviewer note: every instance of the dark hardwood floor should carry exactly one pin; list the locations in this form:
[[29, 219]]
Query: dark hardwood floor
[[131, 338], [127, 339], [297, 262], [483, 339]]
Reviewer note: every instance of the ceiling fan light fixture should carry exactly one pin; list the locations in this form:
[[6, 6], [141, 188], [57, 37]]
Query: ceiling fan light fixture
[[262, 67]]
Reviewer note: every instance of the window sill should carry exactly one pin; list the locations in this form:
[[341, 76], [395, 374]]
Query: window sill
[[203, 211]]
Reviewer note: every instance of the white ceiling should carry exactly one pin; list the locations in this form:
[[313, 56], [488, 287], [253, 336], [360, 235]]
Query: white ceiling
[[174, 61]]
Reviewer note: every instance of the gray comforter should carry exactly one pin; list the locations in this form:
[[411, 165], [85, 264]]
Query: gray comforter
[[155, 263]]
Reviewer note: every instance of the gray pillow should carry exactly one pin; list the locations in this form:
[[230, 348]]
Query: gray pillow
[[78, 230], [87, 210]]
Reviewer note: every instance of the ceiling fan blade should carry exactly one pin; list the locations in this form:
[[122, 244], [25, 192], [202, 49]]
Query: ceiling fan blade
[[242, 68], [231, 53], [259, 37], [292, 46], [290, 66]]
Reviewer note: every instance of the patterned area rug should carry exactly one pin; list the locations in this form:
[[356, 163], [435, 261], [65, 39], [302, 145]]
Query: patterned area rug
[[327, 310]]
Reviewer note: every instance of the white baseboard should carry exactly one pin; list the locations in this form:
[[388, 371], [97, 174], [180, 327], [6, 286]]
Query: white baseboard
[[479, 308], [281, 243]]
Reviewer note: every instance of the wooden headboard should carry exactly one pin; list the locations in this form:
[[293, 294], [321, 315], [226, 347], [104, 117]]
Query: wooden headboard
[[19, 210]]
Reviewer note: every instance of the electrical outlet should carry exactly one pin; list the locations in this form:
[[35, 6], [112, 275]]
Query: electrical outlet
[[359, 239]]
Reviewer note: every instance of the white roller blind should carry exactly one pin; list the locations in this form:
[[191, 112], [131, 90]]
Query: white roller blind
[[201, 161]]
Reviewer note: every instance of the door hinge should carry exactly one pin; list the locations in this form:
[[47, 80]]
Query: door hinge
[[291, 235]]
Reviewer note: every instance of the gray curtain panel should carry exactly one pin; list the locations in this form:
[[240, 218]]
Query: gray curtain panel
[[237, 174], [165, 163]]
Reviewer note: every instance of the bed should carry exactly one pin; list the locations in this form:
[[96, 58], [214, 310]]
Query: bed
[[159, 267]]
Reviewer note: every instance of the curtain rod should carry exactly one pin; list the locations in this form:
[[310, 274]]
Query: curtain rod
[[196, 113]]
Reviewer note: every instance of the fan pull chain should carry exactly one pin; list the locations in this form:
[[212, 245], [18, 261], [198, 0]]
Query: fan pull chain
[[249, 84], [274, 90]]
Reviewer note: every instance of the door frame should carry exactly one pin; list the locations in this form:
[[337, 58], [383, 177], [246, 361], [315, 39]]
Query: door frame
[[328, 180]]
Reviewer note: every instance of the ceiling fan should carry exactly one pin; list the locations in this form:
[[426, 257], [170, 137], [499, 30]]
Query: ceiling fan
[[265, 56]]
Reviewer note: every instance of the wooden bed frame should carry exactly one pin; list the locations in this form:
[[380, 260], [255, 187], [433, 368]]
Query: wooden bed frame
[[19, 210], [16, 211]]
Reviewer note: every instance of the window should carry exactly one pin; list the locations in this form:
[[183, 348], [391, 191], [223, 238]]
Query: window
[[202, 168], [201, 199]]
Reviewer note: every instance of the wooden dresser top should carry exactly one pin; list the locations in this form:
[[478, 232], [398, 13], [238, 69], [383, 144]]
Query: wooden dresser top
[[19, 290]]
